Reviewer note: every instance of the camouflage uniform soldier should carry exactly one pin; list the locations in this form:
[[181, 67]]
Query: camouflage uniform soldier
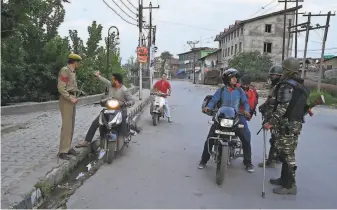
[[266, 109], [291, 98], [67, 87]]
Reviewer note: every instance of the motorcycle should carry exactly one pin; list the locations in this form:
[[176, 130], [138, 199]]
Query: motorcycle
[[227, 146], [157, 107], [110, 120]]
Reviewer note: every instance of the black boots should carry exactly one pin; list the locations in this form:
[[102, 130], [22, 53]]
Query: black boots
[[286, 181]]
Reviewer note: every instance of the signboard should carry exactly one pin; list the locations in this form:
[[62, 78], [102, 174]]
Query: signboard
[[142, 54]]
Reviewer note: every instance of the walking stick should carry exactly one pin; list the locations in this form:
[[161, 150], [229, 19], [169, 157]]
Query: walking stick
[[264, 164]]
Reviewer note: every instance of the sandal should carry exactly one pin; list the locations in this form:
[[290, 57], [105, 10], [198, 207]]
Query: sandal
[[80, 145]]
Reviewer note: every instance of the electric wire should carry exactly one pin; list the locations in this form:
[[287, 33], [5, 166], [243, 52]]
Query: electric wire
[[124, 11], [132, 5], [262, 8], [128, 8], [118, 14]]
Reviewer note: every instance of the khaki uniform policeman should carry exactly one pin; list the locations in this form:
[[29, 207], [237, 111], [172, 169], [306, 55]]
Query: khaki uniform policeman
[[67, 87]]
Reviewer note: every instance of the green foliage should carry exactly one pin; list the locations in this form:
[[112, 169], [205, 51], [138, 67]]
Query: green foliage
[[329, 99], [253, 63], [164, 56], [33, 53]]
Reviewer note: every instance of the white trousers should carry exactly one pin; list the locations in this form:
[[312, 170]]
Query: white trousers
[[166, 109]]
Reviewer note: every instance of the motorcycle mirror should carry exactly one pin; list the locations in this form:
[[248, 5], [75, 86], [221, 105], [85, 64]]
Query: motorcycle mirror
[[241, 126], [211, 122]]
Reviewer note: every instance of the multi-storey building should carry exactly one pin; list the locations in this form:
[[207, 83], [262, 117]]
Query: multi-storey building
[[263, 34]]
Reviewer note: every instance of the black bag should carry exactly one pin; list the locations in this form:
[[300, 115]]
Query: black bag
[[208, 98]]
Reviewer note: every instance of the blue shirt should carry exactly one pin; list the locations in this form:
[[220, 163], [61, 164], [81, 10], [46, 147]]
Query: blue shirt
[[232, 99]]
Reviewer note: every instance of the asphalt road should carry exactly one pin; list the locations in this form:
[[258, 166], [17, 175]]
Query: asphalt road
[[159, 169]]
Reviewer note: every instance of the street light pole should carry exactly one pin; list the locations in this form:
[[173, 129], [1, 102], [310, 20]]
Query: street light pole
[[108, 45]]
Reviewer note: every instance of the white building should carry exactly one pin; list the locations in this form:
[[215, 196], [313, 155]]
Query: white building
[[263, 34]]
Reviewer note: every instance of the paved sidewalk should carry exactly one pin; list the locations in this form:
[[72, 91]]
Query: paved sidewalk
[[30, 143]]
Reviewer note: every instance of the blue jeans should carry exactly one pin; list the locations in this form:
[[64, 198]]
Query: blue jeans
[[242, 133]]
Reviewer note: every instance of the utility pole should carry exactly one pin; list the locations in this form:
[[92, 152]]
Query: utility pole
[[149, 47], [307, 29], [193, 43], [326, 28], [140, 26], [284, 22], [304, 68], [289, 36]]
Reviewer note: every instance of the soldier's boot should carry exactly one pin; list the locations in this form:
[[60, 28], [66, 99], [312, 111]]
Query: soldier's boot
[[281, 180], [289, 184], [270, 163]]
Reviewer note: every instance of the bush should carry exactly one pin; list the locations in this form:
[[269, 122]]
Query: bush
[[329, 99]]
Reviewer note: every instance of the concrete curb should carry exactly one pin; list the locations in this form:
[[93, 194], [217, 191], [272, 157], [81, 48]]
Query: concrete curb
[[56, 175], [50, 105]]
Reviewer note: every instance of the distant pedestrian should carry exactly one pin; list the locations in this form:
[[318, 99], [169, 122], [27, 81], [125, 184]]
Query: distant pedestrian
[[67, 87]]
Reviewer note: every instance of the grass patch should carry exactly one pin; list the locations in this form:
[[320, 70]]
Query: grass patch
[[45, 188], [330, 100]]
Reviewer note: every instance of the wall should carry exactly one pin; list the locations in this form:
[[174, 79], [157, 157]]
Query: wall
[[255, 36], [332, 62], [252, 36]]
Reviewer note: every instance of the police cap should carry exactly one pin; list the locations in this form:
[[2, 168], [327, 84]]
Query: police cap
[[74, 57]]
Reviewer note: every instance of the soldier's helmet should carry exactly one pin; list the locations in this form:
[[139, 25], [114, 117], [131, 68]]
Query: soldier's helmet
[[276, 69], [291, 64], [74, 57]]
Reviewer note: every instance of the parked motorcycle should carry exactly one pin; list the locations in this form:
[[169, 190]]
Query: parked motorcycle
[[227, 146], [157, 107], [110, 120]]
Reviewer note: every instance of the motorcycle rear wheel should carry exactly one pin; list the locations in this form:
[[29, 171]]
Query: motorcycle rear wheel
[[110, 154], [155, 119], [221, 166]]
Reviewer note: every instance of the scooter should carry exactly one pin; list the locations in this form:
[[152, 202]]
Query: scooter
[[110, 120], [157, 107]]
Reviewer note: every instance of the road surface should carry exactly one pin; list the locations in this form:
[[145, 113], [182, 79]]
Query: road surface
[[159, 170]]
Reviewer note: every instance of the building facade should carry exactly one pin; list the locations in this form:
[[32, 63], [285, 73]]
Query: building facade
[[186, 60], [263, 34]]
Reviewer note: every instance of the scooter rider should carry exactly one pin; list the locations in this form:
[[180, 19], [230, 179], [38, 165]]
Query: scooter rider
[[266, 109], [164, 86], [233, 96], [117, 90]]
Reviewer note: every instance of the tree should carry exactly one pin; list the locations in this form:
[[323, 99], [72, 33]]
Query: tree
[[33, 53], [253, 63], [164, 56]]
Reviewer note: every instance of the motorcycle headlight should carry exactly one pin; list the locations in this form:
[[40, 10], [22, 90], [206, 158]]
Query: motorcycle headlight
[[112, 104], [227, 123], [117, 119]]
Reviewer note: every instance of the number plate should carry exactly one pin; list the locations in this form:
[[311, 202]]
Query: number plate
[[225, 133]]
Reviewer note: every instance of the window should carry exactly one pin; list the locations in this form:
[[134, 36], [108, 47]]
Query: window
[[236, 48], [234, 34], [240, 47], [328, 67], [232, 50], [242, 31], [225, 52], [267, 28], [267, 47], [228, 52], [238, 32]]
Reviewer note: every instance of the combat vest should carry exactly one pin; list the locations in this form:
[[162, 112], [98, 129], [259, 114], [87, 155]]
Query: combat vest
[[296, 107]]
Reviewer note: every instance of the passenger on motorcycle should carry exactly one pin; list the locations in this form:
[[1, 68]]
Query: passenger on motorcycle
[[164, 86], [117, 90], [232, 96], [251, 94]]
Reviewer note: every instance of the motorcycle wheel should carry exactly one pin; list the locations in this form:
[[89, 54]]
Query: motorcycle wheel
[[221, 166], [110, 154], [155, 119]]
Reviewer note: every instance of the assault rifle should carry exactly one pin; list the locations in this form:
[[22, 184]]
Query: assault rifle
[[308, 109]]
